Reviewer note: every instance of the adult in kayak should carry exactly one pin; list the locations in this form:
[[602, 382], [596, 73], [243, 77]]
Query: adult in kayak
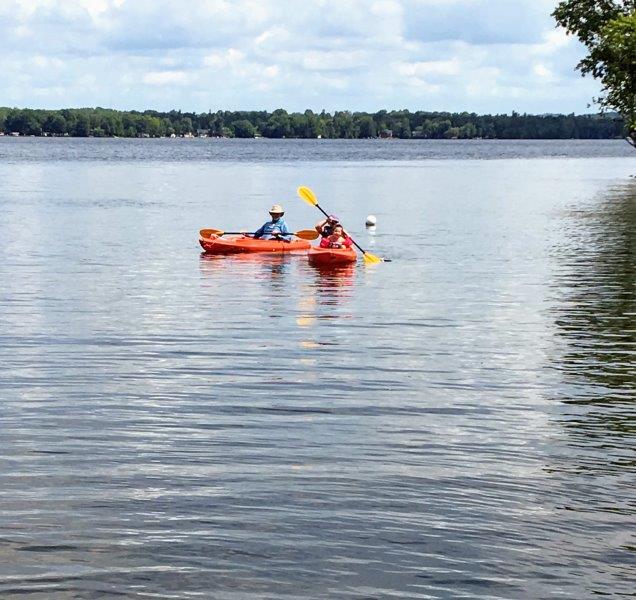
[[337, 239], [276, 228]]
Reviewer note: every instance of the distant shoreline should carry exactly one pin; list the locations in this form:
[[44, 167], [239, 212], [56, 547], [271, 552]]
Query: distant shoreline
[[219, 138], [279, 124]]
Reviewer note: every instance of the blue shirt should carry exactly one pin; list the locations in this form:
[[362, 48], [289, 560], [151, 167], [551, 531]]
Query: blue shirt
[[271, 227]]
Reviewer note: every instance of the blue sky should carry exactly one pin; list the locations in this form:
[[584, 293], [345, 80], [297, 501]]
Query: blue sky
[[487, 56]]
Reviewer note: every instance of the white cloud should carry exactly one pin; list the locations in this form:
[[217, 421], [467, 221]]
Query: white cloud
[[542, 71], [273, 37], [46, 62], [226, 58], [554, 40], [434, 67], [481, 55], [331, 60], [166, 78]]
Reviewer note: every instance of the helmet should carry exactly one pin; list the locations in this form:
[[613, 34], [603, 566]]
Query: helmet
[[277, 209]]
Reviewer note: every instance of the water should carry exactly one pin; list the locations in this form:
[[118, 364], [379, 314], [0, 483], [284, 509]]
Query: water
[[20, 150], [457, 423]]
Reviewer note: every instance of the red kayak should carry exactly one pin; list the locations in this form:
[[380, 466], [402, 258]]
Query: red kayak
[[331, 257], [235, 244]]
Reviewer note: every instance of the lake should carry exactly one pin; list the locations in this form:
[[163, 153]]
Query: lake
[[456, 423]]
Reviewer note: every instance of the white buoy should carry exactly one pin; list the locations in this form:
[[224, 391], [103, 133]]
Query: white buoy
[[371, 221]]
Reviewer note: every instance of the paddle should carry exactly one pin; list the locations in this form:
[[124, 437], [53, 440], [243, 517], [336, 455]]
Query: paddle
[[305, 234], [310, 198]]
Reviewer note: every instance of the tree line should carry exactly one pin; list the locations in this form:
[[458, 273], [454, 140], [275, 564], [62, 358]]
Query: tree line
[[102, 122]]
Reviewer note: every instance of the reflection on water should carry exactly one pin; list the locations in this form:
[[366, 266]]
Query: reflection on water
[[313, 294], [333, 286], [325, 290], [596, 313], [595, 326]]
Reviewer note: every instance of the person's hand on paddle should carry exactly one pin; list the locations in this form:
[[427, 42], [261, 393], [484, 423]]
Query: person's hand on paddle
[[277, 235]]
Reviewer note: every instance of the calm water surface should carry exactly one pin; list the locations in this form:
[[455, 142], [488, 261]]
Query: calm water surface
[[457, 423]]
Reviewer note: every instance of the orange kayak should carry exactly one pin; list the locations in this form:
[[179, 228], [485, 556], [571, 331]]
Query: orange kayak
[[234, 244], [331, 257]]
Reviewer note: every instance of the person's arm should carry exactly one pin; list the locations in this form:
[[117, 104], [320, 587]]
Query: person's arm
[[320, 225], [285, 234], [347, 242], [259, 232]]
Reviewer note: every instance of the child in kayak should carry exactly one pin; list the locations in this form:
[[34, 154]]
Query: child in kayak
[[337, 239], [276, 229], [325, 227]]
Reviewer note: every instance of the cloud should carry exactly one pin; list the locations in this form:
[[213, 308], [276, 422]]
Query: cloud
[[481, 55], [477, 21], [166, 78], [164, 24], [435, 67], [542, 71], [230, 57]]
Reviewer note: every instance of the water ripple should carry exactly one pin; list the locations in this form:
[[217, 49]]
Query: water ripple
[[458, 423]]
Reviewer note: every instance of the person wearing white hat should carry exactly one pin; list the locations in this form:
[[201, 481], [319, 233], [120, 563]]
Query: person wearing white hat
[[276, 228]]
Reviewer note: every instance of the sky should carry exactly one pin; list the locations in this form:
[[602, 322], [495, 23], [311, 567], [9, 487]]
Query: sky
[[484, 56]]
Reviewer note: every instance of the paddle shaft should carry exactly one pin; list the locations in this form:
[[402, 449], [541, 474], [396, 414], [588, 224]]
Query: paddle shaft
[[250, 233], [238, 233]]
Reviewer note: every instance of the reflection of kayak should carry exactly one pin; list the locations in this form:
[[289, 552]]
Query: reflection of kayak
[[233, 244], [331, 257]]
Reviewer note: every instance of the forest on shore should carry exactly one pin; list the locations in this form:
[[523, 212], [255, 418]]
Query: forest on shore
[[102, 122]]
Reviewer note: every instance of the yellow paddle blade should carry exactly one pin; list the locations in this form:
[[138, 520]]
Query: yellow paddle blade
[[307, 234], [371, 259], [208, 232], [307, 195]]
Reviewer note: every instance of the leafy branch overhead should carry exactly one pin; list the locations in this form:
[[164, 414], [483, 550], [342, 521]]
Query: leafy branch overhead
[[608, 30]]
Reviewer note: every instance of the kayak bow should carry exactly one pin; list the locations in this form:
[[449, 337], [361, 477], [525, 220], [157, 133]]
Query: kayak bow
[[331, 257]]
